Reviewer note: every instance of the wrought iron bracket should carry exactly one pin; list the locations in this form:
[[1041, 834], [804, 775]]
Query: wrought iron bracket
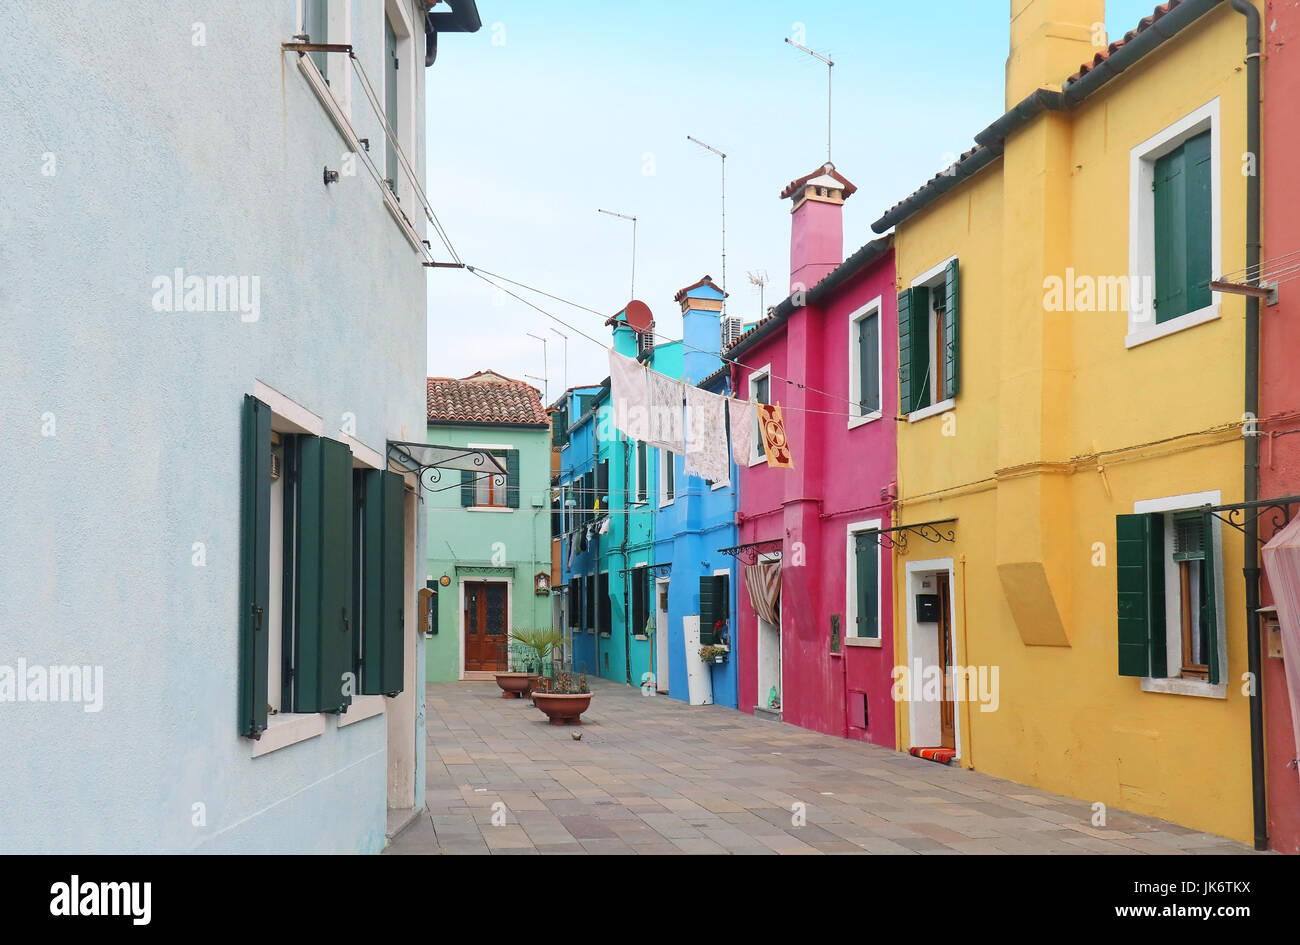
[[748, 554], [1238, 514], [896, 537]]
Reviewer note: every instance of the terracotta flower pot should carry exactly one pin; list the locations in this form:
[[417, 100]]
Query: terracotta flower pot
[[514, 685], [563, 708]]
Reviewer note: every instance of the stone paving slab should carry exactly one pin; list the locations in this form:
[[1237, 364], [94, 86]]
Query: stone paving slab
[[653, 776]]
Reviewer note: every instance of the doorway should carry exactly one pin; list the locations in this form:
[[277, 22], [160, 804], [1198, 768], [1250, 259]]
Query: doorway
[[483, 625], [931, 656], [661, 635], [947, 712]]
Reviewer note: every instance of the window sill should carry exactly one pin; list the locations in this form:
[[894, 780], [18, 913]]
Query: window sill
[[1199, 317], [288, 728], [362, 707], [1186, 687], [863, 641], [942, 406], [862, 421], [665, 505], [719, 485], [487, 508]]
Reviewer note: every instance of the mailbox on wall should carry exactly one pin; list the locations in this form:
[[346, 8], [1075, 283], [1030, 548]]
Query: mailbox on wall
[[428, 607], [927, 608]]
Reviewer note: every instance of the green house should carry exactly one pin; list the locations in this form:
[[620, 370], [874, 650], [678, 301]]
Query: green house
[[489, 534]]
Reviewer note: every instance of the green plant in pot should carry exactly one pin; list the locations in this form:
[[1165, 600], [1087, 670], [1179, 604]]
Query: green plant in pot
[[536, 644], [713, 654]]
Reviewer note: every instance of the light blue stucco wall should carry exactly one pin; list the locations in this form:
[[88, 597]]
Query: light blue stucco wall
[[121, 424]]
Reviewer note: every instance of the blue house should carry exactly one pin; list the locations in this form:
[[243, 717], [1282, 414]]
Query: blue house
[[694, 520]]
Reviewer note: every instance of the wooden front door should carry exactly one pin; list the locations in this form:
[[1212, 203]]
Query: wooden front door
[[484, 626], [947, 708]]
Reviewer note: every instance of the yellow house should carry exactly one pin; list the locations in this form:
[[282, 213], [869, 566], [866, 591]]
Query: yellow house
[[1072, 401]]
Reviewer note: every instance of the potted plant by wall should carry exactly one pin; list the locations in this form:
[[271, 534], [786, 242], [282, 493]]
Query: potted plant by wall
[[714, 654], [535, 646], [566, 700], [519, 678]]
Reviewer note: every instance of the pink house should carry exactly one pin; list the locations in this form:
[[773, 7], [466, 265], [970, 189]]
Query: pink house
[[828, 354]]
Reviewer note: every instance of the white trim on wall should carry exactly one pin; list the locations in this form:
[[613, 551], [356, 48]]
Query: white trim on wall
[[287, 409], [756, 452], [1142, 326], [914, 573], [852, 530], [874, 307]]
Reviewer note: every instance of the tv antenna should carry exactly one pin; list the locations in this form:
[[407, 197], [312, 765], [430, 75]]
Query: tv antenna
[[829, 66], [759, 278], [625, 216], [709, 147]]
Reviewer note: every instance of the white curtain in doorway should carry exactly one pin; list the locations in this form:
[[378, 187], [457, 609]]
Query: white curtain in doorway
[[1282, 564]]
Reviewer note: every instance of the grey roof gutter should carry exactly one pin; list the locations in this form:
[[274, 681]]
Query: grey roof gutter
[[846, 270], [992, 138]]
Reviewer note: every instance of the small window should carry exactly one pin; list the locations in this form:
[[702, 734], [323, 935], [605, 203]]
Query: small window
[[605, 618], [929, 365], [642, 474], [493, 490], [864, 602], [864, 364], [667, 477], [315, 23], [760, 392], [640, 578], [1182, 229]]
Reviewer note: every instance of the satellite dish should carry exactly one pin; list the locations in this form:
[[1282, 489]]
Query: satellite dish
[[639, 316]]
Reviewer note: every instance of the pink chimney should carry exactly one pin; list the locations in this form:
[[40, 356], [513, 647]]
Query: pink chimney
[[816, 225]]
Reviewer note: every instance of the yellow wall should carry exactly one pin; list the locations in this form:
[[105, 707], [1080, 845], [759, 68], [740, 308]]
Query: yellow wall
[[1042, 393]]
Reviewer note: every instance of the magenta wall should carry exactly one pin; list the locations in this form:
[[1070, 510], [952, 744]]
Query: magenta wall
[[838, 478], [1279, 380]]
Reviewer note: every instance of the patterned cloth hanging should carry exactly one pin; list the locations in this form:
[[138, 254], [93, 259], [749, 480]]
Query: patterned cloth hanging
[[706, 437], [763, 581], [742, 420], [666, 429], [629, 393], [775, 444]]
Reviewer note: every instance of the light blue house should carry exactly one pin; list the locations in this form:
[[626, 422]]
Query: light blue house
[[208, 598], [694, 520], [581, 485]]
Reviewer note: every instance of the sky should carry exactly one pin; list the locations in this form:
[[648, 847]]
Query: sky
[[553, 111]]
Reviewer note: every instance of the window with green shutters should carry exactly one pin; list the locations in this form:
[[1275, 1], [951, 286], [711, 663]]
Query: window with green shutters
[[866, 587], [379, 527], [642, 473], [589, 604], [715, 608], [492, 489], [604, 605], [254, 566], [929, 340], [864, 366], [1183, 228], [640, 578], [574, 603], [1165, 563]]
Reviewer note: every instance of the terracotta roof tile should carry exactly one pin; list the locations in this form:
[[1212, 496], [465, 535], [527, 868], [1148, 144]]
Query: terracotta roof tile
[[484, 397], [1114, 47]]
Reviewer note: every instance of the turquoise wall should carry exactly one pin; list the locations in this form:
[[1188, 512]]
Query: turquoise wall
[[476, 545]]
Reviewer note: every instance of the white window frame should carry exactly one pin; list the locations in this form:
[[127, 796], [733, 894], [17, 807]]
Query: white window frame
[[858, 418], [640, 493], [1174, 683], [756, 452], [338, 15], [666, 457], [853, 529], [1142, 326], [934, 275], [490, 509], [396, 13]]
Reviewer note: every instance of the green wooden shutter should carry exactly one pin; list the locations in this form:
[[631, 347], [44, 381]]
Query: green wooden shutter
[[254, 565], [1140, 582], [869, 363], [323, 648], [512, 479], [1171, 236], [905, 299], [867, 555], [466, 487], [383, 617], [1199, 223], [951, 334], [708, 609]]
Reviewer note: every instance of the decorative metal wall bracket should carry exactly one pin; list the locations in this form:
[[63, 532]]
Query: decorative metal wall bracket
[[749, 554], [1236, 515], [896, 537]]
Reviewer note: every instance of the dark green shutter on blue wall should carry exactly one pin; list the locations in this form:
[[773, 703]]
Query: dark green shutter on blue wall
[[254, 565], [383, 614], [322, 620], [951, 333], [708, 610], [466, 487], [1183, 229], [1140, 582]]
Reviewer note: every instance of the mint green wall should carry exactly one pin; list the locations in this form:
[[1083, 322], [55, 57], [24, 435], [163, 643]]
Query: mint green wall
[[519, 539]]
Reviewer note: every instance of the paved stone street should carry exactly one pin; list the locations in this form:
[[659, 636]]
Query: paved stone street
[[652, 775]]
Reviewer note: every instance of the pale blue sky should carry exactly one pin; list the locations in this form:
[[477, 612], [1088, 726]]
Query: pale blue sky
[[554, 110]]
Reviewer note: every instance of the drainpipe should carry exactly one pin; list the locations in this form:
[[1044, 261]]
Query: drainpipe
[[627, 604], [1251, 484]]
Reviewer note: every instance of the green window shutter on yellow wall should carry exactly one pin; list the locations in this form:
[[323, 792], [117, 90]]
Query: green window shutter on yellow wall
[[1183, 229], [951, 333], [254, 565], [382, 614], [321, 618], [905, 351], [1140, 582]]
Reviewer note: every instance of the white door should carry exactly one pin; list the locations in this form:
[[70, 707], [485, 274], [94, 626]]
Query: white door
[[661, 634]]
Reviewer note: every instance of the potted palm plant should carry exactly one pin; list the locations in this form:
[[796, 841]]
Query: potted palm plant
[[535, 646]]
